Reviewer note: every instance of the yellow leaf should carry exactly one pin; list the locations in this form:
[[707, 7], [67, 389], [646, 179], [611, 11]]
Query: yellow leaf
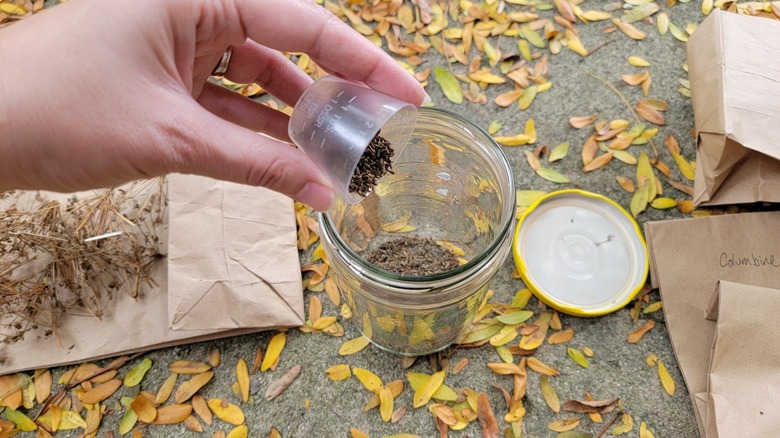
[[386, 403], [94, 416], [331, 288], [549, 394], [530, 130], [399, 223], [23, 422], [666, 379], [166, 389], [505, 368], [239, 432], [423, 395], [370, 380], [685, 167], [516, 140], [226, 411], [357, 433], [535, 339], [541, 368], [527, 98], [339, 372], [596, 15], [486, 77], [353, 346], [628, 29], [72, 420], [678, 33], [574, 43], [663, 23], [188, 367], [173, 414], [242, 375], [564, 425], [663, 203], [644, 432], [324, 322], [504, 336], [190, 387], [274, 350]]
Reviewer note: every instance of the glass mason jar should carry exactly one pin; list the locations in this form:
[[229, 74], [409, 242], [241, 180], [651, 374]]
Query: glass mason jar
[[451, 183]]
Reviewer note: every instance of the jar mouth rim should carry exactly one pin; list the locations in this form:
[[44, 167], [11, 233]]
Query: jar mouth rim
[[508, 215]]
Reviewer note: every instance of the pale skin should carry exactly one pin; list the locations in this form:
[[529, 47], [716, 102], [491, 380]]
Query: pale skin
[[94, 93]]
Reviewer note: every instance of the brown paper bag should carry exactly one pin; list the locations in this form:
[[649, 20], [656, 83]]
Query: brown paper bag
[[233, 257], [689, 256], [744, 383], [252, 216], [734, 73]]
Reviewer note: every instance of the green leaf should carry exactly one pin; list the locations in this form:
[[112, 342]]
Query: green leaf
[[134, 377], [515, 317], [525, 101], [578, 357], [532, 36], [558, 152], [640, 12], [449, 85], [494, 126], [128, 421], [552, 175]]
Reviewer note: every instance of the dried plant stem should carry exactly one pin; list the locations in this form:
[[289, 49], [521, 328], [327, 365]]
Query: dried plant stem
[[609, 424], [625, 102]]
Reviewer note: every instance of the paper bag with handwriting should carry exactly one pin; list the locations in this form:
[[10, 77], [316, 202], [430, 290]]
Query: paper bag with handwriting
[[735, 84], [689, 256], [744, 382], [130, 325]]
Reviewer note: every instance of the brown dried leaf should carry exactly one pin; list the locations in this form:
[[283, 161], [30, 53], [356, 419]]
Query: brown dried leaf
[[589, 150], [635, 79], [582, 121], [598, 162], [165, 390], [460, 365], [626, 184], [100, 392], [487, 420], [188, 388], [561, 337], [43, 382], [629, 30], [278, 386], [173, 414], [541, 368], [590, 406], [331, 288], [144, 408], [188, 367], [201, 408], [650, 114], [192, 424], [637, 334]]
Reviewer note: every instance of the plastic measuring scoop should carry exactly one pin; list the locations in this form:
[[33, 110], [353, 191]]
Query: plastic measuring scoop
[[334, 121]]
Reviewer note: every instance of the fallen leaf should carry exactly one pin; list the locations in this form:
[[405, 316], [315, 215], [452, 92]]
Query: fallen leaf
[[549, 394], [215, 356], [650, 114], [644, 432], [578, 357], [188, 367], [242, 376], [561, 337], [242, 431], [100, 392], [628, 29], [129, 418], [385, 403], [598, 162], [143, 408], [666, 378], [636, 61], [487, 420], [637, 334], [188, 388], [558, 152], [201, 408], [226, 411], [135, 375], [424, 393], [166, 389], [339, 372], [172, 414], [449, 85], [278, 386], [274, 350], [192, 424], [43, 382], [580, 122], [663, 23], [541, 368], [23, 422], [590, 406], [552, 175], [564, 425]]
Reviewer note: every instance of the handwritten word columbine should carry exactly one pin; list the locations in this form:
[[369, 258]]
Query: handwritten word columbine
[[735, 261]]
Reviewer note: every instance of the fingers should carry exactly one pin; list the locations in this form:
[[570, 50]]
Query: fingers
[[252, 62], [245, 112], [207, 145], [303, 26]]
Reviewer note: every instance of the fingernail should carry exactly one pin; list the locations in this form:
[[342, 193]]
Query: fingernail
[[316, 196], [426, 99]]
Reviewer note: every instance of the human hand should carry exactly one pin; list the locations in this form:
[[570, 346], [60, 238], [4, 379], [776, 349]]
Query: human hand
[[96, 93]]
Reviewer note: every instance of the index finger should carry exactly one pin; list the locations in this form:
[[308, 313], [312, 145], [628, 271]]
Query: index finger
[[303, 26]]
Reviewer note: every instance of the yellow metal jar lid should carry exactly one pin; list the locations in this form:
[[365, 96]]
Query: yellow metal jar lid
[[580, 253]]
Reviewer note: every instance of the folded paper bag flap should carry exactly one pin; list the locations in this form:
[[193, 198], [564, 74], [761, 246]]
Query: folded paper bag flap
[[711, 313], [232, 257]]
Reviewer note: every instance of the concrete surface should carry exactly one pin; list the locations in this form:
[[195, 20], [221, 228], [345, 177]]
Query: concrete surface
[[618, 368]]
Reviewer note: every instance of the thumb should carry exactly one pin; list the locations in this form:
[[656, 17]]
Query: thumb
[[214, 147]]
